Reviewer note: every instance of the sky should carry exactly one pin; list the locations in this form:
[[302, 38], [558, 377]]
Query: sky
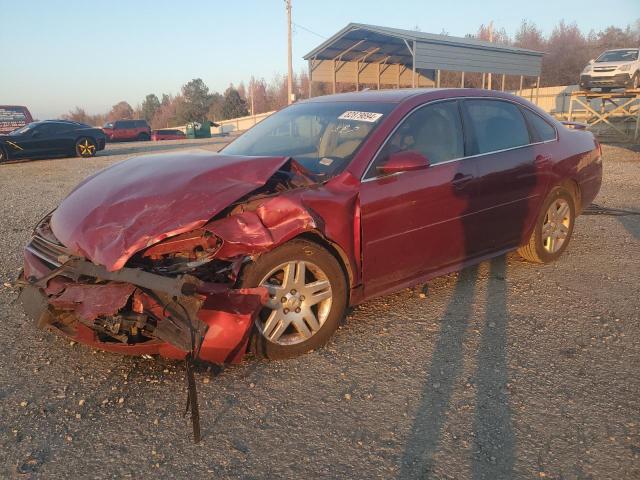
[[57, 55]]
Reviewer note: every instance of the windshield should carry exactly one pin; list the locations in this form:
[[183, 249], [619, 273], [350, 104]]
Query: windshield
[[323, 137], [618, 56], [21, 130]]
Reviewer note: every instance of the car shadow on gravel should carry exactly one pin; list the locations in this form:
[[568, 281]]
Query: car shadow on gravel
[[632, 224], [494, 441]]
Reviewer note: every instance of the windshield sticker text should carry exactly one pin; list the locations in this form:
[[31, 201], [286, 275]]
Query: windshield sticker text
[[360, 116]]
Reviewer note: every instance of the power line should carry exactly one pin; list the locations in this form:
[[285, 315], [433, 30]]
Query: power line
[[308, 30]]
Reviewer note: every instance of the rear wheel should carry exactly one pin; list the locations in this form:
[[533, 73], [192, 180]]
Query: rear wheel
[[308, 296], [85, 147], [553, 229]]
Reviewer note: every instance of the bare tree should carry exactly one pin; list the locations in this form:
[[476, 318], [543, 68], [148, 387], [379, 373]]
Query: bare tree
[[121, 110]]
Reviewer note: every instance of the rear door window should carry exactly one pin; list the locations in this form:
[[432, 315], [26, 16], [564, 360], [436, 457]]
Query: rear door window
[[542, 131], [496, 125]]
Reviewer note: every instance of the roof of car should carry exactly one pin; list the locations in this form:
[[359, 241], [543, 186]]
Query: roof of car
[[389, 96], [70, 122], [65, 122], [402, 94]]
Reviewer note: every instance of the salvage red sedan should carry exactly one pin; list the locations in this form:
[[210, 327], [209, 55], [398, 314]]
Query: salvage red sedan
[[167, 134], [325, 204]]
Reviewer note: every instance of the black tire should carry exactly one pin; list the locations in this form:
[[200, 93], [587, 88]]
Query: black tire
[[535, 249], [143, 137], [3, 155], [313, 255], [635, 81], [85, 147]]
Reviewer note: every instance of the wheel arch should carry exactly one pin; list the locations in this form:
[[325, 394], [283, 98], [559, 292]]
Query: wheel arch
[[573, 188], [89, 136], [335, 250]]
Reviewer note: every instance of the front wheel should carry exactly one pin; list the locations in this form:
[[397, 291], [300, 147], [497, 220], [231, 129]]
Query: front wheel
[[635, 81], [85, 147], [553, 229], [3, 155], [308, 297]]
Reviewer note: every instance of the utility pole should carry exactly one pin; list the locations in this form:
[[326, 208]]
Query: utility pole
[[251, 85], [490, 40], [289, 59]]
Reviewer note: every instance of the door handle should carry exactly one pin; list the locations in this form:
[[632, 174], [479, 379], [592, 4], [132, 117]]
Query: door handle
[[542, 161], [460, 180]]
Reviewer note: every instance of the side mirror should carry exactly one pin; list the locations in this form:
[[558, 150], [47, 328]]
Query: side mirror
[[405, 161]]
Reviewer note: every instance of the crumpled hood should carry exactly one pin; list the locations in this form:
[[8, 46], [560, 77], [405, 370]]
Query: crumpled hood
[[138, 202]]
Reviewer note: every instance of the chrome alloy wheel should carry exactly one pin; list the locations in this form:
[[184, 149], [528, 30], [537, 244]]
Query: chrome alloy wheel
[[86, 148], [555, 227], [300, 302]]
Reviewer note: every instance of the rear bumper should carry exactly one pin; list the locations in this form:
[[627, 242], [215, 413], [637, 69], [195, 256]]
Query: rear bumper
[[620, 80]]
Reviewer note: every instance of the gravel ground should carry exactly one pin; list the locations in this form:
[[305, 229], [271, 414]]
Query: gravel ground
[[507, 370]]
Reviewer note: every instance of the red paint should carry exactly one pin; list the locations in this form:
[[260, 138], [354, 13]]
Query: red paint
[[137, 203], [272, 223], [123, 130], [158, 135], [390, 232], [91, 301], [406, 161]]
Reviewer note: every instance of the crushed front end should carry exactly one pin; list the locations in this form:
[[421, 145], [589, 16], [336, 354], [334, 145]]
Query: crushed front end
[[175, 297], [170, 299]]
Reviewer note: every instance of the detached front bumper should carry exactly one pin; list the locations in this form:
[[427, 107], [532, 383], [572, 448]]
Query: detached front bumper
[[620, 80], [134, 312]]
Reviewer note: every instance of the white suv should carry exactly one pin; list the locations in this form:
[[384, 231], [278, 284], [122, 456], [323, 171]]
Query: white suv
[[618, 68]]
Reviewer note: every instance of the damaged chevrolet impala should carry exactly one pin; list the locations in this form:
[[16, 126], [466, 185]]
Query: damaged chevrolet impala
[[329, 202]]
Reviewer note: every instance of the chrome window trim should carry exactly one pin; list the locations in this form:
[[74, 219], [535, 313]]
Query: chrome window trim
[[363, 178]]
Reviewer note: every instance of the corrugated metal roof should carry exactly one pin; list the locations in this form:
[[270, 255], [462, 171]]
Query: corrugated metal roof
[[433, 51], [420, 36]]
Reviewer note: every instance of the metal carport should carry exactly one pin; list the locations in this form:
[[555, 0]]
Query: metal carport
[[370, 54]]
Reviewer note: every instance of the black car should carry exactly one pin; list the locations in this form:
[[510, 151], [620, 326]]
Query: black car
[[51, 138]]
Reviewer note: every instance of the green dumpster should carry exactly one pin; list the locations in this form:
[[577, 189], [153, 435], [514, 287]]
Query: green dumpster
[[199, 129]]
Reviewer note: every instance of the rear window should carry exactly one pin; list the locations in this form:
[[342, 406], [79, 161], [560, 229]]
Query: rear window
[[497, 125], [541, 129]]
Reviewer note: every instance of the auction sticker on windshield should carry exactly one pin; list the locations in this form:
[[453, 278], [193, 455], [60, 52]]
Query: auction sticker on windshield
[[360, 116]]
